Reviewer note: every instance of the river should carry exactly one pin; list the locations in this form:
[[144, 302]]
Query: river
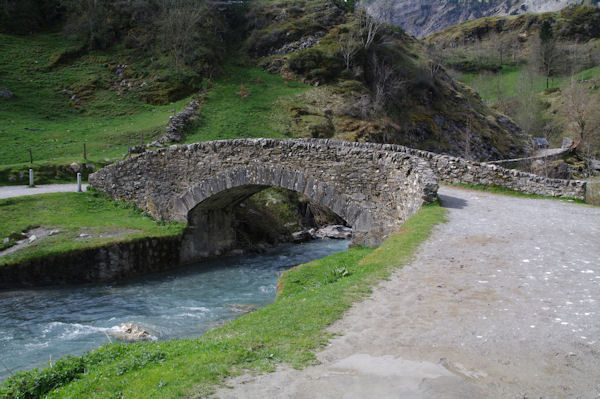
[[38, 324]]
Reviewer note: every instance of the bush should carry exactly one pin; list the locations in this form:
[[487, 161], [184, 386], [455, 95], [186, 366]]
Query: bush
[[304, 61], [314, 64]]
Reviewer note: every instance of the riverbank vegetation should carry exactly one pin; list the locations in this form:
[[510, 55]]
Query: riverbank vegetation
[[67, 221], [311, 297]]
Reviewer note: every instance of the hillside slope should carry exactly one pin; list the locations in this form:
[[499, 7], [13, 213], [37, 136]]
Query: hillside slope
[[571, 24], [550, 88], [331, 73], [388, 91]]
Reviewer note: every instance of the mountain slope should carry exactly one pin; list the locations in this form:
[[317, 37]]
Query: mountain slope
[[424, 17]]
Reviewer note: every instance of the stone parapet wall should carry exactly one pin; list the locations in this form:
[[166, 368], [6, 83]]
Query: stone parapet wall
[[455, 170]]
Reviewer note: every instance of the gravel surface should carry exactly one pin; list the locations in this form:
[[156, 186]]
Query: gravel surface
[[17, 191], [501, 302]]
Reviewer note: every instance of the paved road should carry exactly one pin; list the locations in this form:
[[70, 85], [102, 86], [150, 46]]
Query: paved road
[[17, 191], [501, 302]]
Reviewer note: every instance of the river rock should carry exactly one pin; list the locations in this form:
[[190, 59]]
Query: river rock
[[6, 240], [5, 93], [303, 236], [131, 332], [334, 231]]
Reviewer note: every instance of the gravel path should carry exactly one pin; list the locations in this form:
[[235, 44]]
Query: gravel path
[[501, 302], [17, 191]]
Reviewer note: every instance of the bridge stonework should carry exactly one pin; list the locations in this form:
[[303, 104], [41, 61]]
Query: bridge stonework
[[374, 190]]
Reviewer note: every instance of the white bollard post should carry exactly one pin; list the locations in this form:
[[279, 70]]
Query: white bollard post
[[31, 177], [78, 182]]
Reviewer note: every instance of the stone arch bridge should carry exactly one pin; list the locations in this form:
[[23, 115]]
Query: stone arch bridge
[[372, 189]]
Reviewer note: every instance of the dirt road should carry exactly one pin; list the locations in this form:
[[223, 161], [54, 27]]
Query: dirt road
[[503, 301]]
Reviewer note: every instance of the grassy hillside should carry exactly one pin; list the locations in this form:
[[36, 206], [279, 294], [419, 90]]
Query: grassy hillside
[[62, 100], [424, 17], [575, 23], [246, 102], [389, 91]]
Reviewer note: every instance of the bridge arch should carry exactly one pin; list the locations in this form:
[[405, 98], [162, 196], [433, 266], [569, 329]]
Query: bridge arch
[[208, 206], [241, 183]]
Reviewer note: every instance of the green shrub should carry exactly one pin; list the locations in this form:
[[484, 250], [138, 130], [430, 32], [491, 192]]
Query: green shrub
[[304, 61], [314, 64]]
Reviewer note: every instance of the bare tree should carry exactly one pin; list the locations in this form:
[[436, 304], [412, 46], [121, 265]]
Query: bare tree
[[349, 45], [580, 110], [385, 83], [528, 110], [436, 61], [91, 17], [545, 51], [180, 20], [368, 27]]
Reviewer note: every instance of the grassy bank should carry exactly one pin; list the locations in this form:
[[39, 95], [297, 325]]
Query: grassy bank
[[99, 219], [312, 297]]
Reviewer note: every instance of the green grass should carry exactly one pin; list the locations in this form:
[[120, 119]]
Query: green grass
[[227, 115], [73, 213], [312, 297], [488, 85], [588, 74], [507, 81], [43, 117], [512, 193]]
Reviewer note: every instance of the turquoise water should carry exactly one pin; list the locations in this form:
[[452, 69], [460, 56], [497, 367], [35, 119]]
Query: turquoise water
[[38, 324]]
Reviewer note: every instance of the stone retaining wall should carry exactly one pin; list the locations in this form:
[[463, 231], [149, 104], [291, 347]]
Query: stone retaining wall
[[93, 265]]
